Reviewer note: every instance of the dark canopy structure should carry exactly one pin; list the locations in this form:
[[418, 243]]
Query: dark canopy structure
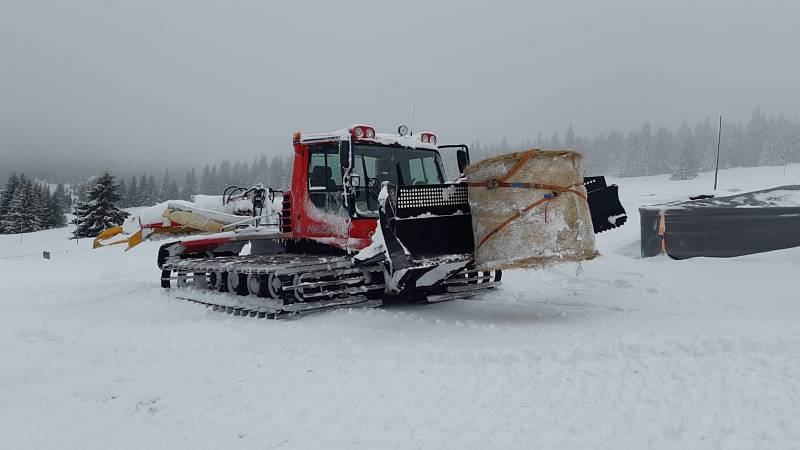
[[735, 225]]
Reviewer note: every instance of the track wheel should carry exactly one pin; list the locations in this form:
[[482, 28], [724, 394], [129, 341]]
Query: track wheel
[[257, 285], [237, 283], [298, 291], [274, 286], [218, 281]]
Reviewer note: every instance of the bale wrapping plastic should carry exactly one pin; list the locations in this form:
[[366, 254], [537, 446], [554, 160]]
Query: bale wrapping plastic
[[529, 209]]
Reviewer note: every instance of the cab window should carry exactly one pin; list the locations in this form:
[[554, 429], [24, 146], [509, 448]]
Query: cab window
[[325, 177]]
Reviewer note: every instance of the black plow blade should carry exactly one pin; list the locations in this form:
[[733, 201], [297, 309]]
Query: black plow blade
[[426, 221]]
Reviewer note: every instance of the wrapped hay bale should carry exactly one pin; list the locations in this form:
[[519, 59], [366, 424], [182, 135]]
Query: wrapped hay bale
[[529, 209]]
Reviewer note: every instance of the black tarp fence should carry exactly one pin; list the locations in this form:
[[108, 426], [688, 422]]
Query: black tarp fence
[[735, 225]]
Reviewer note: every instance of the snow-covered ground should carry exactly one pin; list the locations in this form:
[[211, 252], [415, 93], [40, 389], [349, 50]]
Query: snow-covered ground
[[622, 352]]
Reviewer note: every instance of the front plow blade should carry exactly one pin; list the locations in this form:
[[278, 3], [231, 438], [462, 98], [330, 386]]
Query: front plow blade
[[604, 205], [426, 221]]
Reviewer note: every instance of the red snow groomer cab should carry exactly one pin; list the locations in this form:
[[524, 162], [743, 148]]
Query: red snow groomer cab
[[369, 218]]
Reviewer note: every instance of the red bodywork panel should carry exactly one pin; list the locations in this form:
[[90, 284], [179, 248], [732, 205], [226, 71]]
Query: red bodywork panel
[[310, 222]]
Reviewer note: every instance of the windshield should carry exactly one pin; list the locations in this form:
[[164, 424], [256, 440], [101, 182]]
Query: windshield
[[400, 166]]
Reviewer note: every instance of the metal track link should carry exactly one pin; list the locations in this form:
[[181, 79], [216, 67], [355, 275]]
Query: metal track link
[[291, 310]]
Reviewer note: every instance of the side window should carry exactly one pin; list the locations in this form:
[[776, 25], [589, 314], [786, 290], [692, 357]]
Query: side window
[[325, 169], [325, 177]]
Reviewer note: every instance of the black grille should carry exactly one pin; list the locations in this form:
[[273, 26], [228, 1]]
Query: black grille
[[431, 220], [441, 199]]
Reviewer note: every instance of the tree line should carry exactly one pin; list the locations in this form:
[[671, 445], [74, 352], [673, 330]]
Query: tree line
[[27, 205], [682, 151], [146, 189]]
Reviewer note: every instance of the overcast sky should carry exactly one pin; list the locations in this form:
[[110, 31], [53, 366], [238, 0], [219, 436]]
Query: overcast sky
[[129, 82]]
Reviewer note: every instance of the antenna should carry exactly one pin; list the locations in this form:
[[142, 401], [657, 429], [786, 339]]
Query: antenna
[[411, 130], [719, 138]]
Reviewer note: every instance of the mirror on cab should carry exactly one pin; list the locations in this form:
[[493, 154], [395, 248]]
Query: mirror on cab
[[463, 160]]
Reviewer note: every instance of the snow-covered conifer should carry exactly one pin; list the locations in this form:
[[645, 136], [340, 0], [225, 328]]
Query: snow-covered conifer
[[100, 210], [20, 215]]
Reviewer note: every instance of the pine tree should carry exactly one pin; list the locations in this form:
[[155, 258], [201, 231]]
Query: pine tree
[[238, 174], [80, 210], [555, 142], [7, 194], [569, 139], [276, 177], [224, 176], [38, 202], [168, 190], [81, 190], [20, 216], [148, 192], [206, 181], [123, 194], [171, 192], [259, 170], [55, 209], [62, 198], [189, 186], [133, 192], [100, 211], [664, 158], [640, 149], [143, 198], [756, 132], [215, 183], [705, 144], [687, 166], [151, 190]]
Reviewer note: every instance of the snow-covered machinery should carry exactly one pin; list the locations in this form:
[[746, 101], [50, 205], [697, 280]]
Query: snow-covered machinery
[[203, 214], [370, 218]]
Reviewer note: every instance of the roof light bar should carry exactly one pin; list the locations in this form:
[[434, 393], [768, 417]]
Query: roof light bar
[[429, 138], [363, 132]]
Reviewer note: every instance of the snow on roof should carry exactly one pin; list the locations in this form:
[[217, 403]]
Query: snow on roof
[[780, 197], [380, 138]]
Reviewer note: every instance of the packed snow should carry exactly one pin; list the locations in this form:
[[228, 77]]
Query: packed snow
[[780, 197], [619, 352]]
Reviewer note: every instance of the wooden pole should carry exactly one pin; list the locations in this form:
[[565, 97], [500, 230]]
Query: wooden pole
[[719, 139]]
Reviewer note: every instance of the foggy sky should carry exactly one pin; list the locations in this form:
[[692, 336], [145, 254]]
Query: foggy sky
[[126, 83]]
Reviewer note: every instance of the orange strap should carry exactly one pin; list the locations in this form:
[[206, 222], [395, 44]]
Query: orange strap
[[521, 162], [662, 228], [546, 187], [513, 217]]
